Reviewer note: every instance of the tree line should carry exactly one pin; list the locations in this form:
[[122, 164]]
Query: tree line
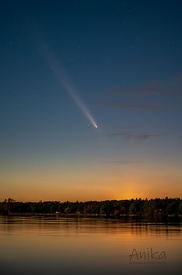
[[133, 207]]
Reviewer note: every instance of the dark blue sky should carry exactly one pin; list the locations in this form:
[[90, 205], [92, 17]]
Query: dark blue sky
[[65, 64]]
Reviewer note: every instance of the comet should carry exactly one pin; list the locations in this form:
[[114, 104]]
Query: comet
[[65, 82], [72, 92]]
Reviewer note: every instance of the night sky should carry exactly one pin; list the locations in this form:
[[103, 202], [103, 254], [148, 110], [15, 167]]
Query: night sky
[[67, 66]]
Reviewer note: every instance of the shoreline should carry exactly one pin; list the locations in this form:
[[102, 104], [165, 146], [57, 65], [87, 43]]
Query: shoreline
[[57, 214]]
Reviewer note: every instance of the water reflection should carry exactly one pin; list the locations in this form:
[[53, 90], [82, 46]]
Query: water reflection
[[61, 245], [90, 225]]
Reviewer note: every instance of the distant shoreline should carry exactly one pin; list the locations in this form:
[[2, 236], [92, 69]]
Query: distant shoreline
[[88, 215], [161, 208]]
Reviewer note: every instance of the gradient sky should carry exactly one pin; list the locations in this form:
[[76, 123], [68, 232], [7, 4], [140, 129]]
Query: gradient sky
[[65, 65]]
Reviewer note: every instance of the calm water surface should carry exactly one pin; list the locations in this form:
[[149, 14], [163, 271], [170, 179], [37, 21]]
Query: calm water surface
[[48, 245]]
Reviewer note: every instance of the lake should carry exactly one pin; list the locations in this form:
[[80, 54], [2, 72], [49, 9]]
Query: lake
[[82, 245]]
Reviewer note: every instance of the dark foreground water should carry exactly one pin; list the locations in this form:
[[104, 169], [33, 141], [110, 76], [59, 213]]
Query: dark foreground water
[[48, 245]]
